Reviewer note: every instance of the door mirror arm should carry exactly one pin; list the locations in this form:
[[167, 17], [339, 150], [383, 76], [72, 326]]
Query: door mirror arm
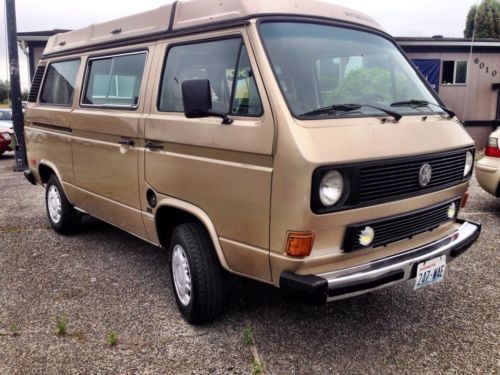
[[226, 120]]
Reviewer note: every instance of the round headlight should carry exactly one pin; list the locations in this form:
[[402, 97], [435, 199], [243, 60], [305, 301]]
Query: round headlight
[[469, 159], [331, 188]]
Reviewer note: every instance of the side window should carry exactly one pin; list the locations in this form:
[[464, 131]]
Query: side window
[[233, 87], [115, 81], [59, 83]]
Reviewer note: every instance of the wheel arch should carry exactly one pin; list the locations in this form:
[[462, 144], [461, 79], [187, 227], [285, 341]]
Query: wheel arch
[[46, 169], [172, 212]]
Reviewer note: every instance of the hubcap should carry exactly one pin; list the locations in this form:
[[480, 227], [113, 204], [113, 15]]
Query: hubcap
[[181, 274], [54, 204]]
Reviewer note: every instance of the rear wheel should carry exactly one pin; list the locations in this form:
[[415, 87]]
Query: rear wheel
[[62, 215], [196, 274]]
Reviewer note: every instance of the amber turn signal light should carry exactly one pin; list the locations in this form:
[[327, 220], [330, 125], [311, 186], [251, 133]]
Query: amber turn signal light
[[465, 198], [299, 244]]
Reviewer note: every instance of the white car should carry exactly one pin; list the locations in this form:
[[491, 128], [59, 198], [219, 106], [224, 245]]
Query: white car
[[6, 118], [488, 167]]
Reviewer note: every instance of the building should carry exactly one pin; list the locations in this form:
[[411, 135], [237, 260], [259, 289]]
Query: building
[[32, 44], [465, 74]]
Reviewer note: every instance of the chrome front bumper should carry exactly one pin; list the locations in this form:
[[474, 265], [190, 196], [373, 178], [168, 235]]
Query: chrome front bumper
[[350, 282]]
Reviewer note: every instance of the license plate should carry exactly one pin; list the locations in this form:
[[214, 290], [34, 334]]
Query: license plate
[[431, 271]]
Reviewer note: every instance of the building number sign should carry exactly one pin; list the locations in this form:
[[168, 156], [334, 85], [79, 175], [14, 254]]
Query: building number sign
[[486, 68]]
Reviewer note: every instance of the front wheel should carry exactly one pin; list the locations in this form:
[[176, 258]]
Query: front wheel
[[62, 215], [196, 274]]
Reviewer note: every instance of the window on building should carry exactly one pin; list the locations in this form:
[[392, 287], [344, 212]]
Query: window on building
[[115, 81], [233, 87], [454, 72], [60, 83]]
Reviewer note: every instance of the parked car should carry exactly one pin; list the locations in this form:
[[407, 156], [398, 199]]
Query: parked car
[[6, 137], [6, 118], [488, 167], [290, 142]]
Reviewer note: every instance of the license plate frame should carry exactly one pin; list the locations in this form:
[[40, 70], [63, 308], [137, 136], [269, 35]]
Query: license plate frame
[[430, 272]]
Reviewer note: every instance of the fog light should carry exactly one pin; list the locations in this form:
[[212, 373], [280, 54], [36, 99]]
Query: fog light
[[452, 210], [366, 236]]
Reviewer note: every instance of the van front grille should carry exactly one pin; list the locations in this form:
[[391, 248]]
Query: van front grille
[[388, 180], [400, 227], [35, 85]]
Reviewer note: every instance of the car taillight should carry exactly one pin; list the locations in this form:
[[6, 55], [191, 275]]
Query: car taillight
[[493, 148]]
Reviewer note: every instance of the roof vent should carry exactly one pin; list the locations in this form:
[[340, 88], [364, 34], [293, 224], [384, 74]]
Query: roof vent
[[437, 37]]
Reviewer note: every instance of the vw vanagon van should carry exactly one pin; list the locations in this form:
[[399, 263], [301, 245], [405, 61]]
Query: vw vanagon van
[[287, 141]]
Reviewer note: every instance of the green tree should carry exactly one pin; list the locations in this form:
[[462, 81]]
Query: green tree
[[486, 17], [4, 90], [24, 95]]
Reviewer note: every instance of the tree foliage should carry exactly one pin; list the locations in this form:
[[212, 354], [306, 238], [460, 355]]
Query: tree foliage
[[486, 17], [4, 90]]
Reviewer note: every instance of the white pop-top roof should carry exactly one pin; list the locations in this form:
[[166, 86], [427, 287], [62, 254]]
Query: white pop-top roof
[[188, 14]]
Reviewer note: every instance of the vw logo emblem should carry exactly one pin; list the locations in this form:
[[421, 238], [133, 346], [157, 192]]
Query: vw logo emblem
[[425, 174]]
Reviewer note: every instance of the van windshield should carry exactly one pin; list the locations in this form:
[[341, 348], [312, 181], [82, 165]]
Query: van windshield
[[326, 67]]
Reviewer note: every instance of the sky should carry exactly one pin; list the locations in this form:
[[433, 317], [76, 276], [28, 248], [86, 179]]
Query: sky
[[399, 18]]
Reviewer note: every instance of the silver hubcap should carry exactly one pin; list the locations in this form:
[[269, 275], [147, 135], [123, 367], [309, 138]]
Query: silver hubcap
[[54, 204], [181, 274]]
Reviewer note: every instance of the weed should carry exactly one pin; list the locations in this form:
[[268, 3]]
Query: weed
[[13, 329], [111, 338], [247, 337], [61, 326], [257, 368]]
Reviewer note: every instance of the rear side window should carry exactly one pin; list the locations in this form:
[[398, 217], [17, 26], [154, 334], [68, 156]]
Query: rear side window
[[59, 84], [115, 81], [225, 64]]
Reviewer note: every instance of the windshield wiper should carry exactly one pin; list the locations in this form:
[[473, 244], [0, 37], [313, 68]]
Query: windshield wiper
[[423, 103], [350, 108]]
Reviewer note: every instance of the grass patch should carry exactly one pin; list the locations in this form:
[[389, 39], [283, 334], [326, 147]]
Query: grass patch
[[61, 328], [247, 336], [14, 331], [111, 338], [257, 368]]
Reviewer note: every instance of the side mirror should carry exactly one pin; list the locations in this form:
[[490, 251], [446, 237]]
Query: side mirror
[[197, 100]]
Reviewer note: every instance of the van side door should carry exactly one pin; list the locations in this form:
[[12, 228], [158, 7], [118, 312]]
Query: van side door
[[106, 137], [225, 170]]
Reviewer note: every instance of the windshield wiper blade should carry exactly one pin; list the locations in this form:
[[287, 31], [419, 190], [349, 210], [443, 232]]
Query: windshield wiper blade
[[423, 103], [350, 108]]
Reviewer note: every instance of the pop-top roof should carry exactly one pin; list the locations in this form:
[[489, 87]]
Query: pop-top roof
[[190, 14]]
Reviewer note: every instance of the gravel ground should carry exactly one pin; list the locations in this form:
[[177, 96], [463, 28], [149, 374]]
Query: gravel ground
[[104, 280]]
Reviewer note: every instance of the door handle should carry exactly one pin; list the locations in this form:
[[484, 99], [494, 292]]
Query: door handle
[[154, 146], [126, 142]]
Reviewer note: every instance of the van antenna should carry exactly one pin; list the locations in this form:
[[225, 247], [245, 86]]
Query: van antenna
[[469, 64]]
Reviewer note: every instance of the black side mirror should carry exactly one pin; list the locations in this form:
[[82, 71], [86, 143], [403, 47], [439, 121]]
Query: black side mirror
[[197, 100]]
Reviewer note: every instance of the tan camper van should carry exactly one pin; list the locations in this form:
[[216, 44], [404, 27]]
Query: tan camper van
[[288, 141]]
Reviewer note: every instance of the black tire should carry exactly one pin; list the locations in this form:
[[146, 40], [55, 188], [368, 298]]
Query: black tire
[[205, 301], [70, 218]]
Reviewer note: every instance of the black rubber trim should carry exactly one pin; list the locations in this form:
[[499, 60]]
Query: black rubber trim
[[306, 284], [29, 176], [172, 17]]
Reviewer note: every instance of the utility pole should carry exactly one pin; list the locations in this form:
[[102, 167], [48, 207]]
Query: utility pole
[[15, 86]]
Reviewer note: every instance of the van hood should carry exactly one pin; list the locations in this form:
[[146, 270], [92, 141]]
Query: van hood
[[353, 140]]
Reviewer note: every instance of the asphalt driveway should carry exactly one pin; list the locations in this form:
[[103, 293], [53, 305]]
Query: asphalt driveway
[[104, 280]]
